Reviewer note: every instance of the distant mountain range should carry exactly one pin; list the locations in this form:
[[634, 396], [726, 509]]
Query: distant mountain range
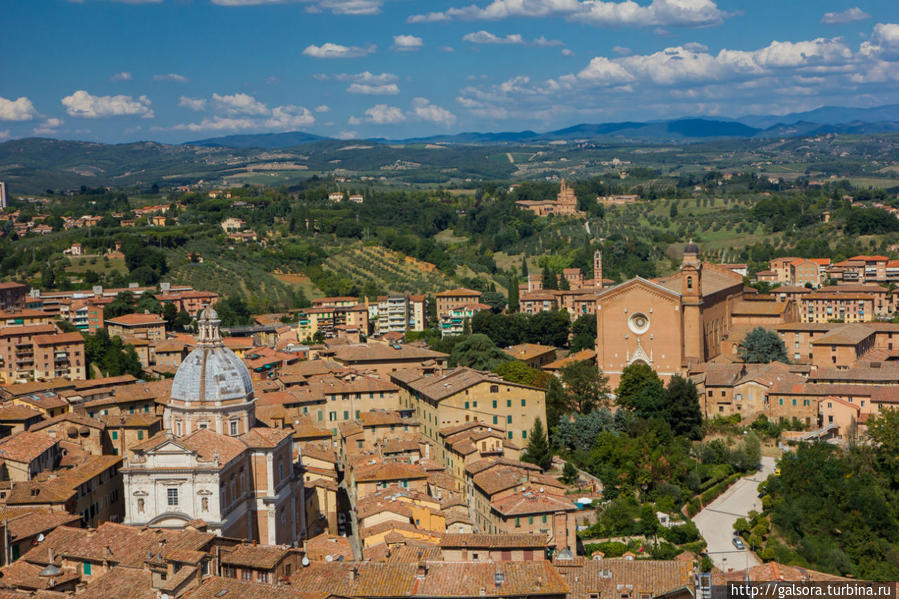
[[820, 121]]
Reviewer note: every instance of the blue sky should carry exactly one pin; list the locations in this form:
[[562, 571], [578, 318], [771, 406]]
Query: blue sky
[[175, 70]]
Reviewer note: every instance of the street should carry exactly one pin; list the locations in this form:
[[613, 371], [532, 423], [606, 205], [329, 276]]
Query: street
[[716, 521]]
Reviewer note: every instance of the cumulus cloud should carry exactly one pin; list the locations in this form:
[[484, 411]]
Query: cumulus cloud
[[48, 127], [192, 103], [367, 77], [347, 135], [239, 104], [323, 108], [171, 77], [423, 110], [485, 37], [691, 78], [689, 13], [84, 105], [884, 42], [389, 89], [17, 110], [329, 50], [235, 112], [567, 52], [849, 15], [123, 76], [382, 114], [337, 7], [407, 43]]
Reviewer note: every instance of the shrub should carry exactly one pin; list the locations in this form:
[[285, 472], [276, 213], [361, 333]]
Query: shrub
[[609, 549]]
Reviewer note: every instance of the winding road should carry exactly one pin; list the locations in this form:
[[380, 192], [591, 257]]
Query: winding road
[[716, 521]]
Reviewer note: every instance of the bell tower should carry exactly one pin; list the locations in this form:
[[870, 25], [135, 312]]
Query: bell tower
[[691, 303], [597, 268]]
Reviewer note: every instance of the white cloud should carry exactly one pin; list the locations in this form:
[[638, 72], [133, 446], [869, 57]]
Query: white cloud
[[547, 43], [367, 77], [48, 127], [690, 13], [389, 89], [123, 76], [323, 108], [884, 42], [849, 15], [217, 123], [567, 52], [347, 135], [289, 117], [192, 103], [171, 77], [622, 50], [329, 50], [485, 37], [17, 110], [4, 134], [382, 114], [84, 105], [239, 104], [407, 43], [423, 110], [337, 7], [447, 49]]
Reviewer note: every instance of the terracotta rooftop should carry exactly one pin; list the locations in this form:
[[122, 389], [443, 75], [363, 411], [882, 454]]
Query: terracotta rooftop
[[25, 446], [137, 319], [23, 575], [263, 557], [217, 587], [27, 330], [606, 576], [387, 471], [447, 383], [122, 582], [13, 413], [531, 501], [379, 352], [461, 291], [318, 548], [528, 351], [495, 541], [33, 523]]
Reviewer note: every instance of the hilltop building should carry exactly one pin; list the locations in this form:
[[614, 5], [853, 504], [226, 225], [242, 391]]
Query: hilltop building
[[564, 204]]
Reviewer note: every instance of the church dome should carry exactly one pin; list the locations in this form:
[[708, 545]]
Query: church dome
[[691, 248], [211, 372]]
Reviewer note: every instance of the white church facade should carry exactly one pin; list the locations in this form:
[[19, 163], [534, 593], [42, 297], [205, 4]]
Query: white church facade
[[212, 463]]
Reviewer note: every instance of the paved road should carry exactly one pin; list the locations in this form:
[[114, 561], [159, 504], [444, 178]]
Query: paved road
[[716, 521]]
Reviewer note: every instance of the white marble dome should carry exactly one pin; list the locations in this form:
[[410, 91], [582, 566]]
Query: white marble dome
[[211, 372]]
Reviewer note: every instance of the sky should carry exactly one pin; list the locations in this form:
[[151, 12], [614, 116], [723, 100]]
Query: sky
[[177, 70]]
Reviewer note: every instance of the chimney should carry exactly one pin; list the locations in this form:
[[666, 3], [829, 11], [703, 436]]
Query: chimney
[[422, 569]]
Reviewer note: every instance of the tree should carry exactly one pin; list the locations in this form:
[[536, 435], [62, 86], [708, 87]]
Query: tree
[[569, 474], [586, 386], [495, 300], [549, 279], [682, 407], [524, 268], [635, 379], [478, 351], [182, 321], [519, 372], [549, 328], [513, 293], [761, 346], [538, 451], [583, 331], [556, 402], [233, 311]]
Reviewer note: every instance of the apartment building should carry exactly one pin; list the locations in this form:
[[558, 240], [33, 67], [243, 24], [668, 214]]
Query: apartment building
[[455, 298], [12, 296], [36, 352], [147, 326], [841, 307], [453, 321], [445, 397], [86, 315]]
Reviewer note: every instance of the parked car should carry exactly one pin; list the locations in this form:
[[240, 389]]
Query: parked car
[[738, 543]]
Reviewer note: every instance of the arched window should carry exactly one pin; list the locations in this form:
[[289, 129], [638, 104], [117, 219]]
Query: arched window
[[689, 282]]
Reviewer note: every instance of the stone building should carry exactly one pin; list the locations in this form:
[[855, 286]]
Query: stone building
[[212, 462], [667, 323]]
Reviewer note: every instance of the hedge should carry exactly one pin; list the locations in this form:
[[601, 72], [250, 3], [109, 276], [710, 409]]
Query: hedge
[[693, 507], [609, 548], [711, 494]]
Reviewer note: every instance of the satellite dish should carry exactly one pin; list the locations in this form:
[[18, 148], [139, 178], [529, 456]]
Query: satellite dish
[[40, 538], [328, 558], [305, 561]]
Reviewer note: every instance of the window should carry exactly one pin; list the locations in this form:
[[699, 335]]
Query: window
[[246, 574], [494, 403], [524, 403], [524, 434], [332, 416], [509, 419], [544, 518], [233, 428], [87, 568], [115, 435], [530, 519], [496, 420], [346, 414], [508, 403], [510, 435], [178, 428], [262, 576], [517, 522], [140, 435], [494, 388], [172, 494], [466, 405]]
